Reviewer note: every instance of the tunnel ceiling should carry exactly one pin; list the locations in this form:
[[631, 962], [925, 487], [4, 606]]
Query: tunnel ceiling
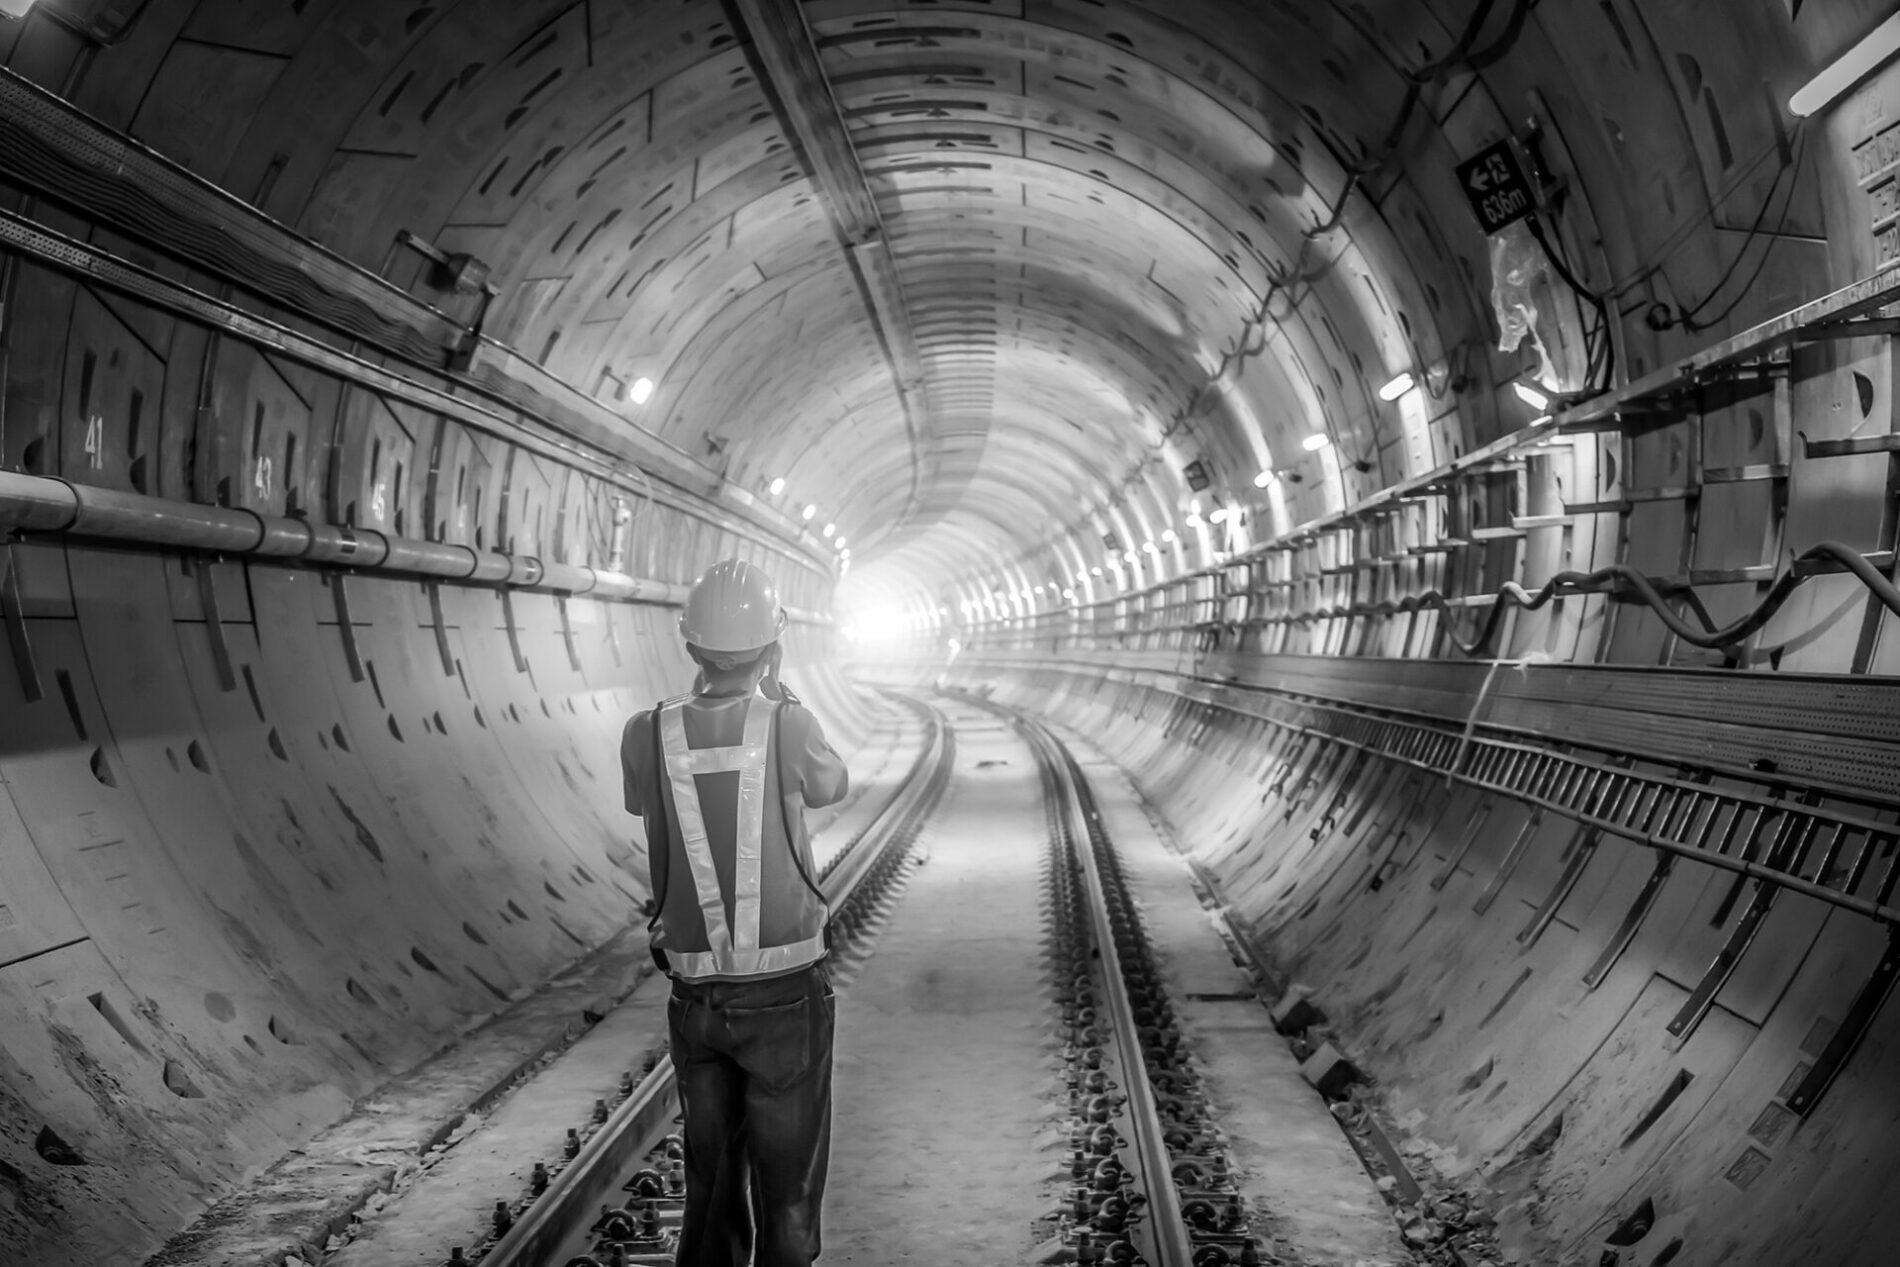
[[1085, 205], [1090, 213]]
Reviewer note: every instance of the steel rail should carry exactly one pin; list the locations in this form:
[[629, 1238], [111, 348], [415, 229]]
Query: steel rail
[[1166, 1225], [640, 1121]]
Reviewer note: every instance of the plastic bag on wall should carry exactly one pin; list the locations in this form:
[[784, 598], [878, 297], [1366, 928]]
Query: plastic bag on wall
[[1518, 272]]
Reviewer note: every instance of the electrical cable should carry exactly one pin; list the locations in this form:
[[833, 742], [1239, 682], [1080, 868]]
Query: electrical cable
[[1457, 58], [1603, 329], [1690, 319], [1619, 579]]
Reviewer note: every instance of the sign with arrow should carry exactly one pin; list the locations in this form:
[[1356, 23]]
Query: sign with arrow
[[1495, 187]]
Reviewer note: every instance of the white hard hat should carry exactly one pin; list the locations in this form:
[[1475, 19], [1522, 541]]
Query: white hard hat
[[733, 607]]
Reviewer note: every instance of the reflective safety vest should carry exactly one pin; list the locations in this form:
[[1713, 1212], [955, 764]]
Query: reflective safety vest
[[792, 913]]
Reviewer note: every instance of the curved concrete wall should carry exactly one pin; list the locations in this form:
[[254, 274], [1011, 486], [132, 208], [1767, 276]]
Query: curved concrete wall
[[188, 858], [1389, 897], [230, 912]]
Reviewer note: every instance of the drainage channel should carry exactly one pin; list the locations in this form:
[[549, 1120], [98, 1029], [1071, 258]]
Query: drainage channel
[[616, 1197], [1149, 1165]]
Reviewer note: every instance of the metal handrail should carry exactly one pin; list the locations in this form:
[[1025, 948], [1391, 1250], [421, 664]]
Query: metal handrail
[[1618, 580], [1479, 762]]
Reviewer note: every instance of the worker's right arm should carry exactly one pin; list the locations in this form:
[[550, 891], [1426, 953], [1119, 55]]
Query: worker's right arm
[[635, 742], [821, 775]]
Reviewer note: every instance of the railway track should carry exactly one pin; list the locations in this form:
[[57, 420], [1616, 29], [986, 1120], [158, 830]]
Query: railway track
[[569, 1215], [1147, 1164]]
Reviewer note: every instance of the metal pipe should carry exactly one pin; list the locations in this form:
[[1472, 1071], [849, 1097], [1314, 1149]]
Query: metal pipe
[[545, 433], [35, 503]]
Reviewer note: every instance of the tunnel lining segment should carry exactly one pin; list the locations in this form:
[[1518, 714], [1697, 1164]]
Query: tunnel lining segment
[[52, 147], [1844, 313], [794, 75], [44, 246]]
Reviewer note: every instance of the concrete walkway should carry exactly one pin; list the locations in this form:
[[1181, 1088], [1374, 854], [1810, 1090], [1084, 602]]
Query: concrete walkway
[[945, 1140]]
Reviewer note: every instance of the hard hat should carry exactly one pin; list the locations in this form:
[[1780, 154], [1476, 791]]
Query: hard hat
[[733, 607]]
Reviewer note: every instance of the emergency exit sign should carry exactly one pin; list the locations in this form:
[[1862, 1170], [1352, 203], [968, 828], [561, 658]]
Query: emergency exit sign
[[1495, 187]]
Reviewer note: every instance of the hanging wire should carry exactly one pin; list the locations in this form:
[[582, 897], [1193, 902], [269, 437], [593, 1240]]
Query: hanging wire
[[1620, 580], [1692, 319], [1664, 318], [1253, 333], [1599, 344]]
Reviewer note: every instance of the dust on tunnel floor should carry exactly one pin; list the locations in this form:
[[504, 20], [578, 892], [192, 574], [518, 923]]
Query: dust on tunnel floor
[[945, 1138]]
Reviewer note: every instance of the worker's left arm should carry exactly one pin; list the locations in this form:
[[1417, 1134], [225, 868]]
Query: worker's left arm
[[822, 778]]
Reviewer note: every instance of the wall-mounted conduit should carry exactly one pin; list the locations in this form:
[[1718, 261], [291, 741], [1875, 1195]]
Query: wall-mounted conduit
[[34, 503]]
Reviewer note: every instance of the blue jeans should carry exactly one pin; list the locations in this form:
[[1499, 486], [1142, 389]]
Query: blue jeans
[[753, 1060]]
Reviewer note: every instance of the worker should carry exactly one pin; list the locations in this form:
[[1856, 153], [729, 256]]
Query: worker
[[721, 777]]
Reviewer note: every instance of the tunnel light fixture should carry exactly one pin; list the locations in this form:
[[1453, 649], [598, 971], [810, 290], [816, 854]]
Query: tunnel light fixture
[[1168, 534], [1848, 69], [1531, 396], [809, 513], [1263, 479], [829, 529], [1096, 571], [640, 391], [777, 486], [1218, 516], [1401, 383], [840, 544], [1150, 547], [1315, 442]]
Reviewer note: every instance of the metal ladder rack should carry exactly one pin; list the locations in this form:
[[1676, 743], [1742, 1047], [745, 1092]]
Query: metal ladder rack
[[1776, 842]]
